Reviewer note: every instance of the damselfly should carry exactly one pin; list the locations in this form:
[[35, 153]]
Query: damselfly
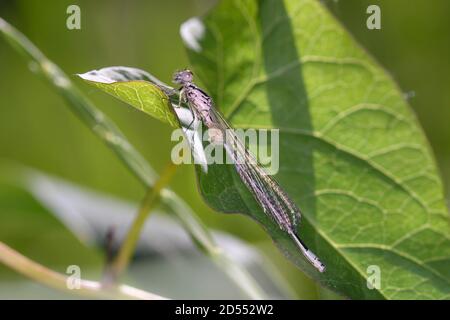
[[267, 192]]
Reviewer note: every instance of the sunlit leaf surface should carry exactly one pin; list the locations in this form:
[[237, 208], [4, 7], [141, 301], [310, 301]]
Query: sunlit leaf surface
[[135, 87]]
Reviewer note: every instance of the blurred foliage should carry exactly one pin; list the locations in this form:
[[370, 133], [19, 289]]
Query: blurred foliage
[[37, 130]]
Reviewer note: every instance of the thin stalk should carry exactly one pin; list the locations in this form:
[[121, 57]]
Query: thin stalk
[[106, 130], [50, 278], [149, 202]]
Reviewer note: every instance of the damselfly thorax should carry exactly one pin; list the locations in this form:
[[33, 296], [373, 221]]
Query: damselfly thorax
[[202, 106]]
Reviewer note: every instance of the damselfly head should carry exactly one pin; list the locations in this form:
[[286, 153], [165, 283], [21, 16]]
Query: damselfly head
[[183, 76]]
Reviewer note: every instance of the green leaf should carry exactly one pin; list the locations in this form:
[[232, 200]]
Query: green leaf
[[137, 88], [352, 155]]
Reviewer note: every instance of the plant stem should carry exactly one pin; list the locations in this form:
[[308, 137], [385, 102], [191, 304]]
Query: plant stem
[[87, 288], [150, 200], [106, 130]]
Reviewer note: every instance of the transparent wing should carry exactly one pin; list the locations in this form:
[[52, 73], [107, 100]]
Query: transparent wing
[[274, 200], [268, 193]]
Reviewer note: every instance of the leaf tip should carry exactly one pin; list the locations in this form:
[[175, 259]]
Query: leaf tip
[[95, 77]]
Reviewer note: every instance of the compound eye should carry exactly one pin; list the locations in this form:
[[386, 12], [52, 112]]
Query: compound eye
[[188, 76]]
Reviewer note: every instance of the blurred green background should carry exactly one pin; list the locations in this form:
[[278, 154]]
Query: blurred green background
[[38, 130]]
